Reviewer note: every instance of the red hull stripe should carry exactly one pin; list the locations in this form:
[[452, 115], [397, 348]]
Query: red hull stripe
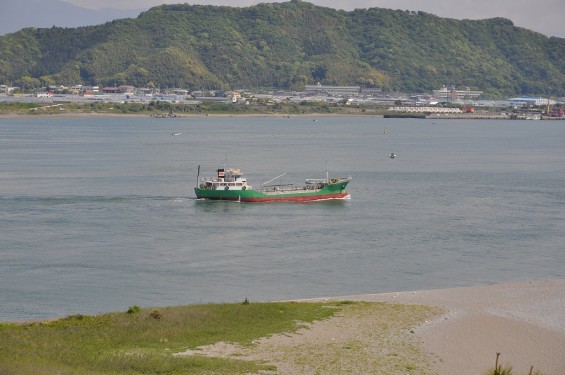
[[298, 198]]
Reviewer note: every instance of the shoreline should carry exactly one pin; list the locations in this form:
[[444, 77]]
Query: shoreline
[[82, 115], [521, 320], [524, 321], [182, 116]]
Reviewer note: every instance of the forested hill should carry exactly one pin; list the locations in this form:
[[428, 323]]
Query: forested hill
[[289, 45]]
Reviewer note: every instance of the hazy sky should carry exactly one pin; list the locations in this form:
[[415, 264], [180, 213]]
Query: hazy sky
[[544, 16]]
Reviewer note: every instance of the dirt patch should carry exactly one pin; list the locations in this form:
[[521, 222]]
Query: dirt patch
[[362, 338]]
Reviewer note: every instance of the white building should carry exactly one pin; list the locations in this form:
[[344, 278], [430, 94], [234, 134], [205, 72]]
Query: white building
[[526, 100], [451, 94], [47, 94]]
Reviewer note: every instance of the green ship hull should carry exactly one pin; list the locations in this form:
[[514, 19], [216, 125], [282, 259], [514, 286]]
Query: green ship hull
[[231, 185], [334, 190]]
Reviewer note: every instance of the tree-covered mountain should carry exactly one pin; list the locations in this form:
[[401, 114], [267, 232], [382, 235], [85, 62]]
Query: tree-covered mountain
[[289, 45]]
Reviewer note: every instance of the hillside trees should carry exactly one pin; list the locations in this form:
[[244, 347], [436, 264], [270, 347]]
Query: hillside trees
[[289, 45]]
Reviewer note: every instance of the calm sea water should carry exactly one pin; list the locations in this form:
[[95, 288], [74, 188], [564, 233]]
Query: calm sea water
[[98, 214]]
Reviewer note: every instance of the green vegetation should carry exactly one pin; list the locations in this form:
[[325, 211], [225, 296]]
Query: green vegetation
[[289, 45], [143, 340], [499, 370], [164, 108], [16, 107], [367, 338]]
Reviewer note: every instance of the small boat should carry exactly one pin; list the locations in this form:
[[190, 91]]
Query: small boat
[[230, 184], [176, 134], [392, 155]]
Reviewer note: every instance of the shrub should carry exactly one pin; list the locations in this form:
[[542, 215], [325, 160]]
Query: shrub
[[134, 309], [156, 314], [499, 370]]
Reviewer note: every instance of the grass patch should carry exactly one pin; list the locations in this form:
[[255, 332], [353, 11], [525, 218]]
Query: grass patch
[[143, 340], [374, 338]]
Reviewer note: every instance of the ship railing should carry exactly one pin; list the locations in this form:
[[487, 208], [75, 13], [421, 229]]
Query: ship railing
[[278, 189]]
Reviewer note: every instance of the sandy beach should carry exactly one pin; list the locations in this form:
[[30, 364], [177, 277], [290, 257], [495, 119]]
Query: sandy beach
[[523, 321]]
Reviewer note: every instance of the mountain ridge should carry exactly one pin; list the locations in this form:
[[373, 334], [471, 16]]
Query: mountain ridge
[[290, 44]]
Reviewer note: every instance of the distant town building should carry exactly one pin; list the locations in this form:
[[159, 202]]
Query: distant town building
[[86, 93], [526, 100], [94, 89], [181, 92], [7, 89], [340, 91], [110, 90], [235, 96], [423, 99], [46, 94], [123, 89], [57, 88], [126, 89], [147, 91], [451, 94], [371, 92]]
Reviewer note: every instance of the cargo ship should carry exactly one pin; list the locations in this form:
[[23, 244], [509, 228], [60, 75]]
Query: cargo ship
[[229, 184]]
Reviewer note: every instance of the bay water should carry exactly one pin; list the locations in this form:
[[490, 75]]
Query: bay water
[[98, 213]]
